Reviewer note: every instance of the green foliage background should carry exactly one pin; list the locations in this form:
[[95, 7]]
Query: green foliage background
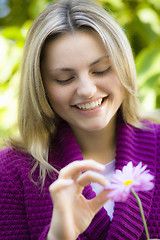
[[139, 18]]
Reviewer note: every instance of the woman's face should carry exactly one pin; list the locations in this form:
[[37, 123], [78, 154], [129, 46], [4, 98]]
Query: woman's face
[[80, 82]]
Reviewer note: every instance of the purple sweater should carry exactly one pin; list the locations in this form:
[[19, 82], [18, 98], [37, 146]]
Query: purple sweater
[[26, 210]]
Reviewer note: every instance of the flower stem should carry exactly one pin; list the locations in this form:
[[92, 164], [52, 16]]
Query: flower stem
[[142, 213]]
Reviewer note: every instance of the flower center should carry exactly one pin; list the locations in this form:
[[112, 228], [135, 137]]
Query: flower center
[[128, 182]]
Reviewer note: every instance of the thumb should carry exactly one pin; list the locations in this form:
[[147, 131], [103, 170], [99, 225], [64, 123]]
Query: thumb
[[97, 203]]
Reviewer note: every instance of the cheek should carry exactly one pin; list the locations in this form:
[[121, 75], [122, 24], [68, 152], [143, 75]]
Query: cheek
[[117, 86], [51, 94], [54, 98], [119, 93], [121, 90], [112, 85], [57, 97]]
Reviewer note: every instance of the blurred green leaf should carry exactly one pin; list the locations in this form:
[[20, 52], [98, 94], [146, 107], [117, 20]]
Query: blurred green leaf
[[148, 71], [147, 63], [12, 33], [9, 60]]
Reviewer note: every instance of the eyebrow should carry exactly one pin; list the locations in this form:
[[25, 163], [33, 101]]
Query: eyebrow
[[98, 60], [70, 69]]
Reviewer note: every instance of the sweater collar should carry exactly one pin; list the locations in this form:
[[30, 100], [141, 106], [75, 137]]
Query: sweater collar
[[132, 145]]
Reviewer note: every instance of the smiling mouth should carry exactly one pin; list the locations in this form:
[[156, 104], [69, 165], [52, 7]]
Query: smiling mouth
[[91, 105]]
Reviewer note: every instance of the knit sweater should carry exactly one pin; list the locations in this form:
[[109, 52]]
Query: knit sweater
[[26, 209]]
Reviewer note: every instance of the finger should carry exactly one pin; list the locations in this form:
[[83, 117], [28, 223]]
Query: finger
[[97, 203], [60, 194], [74, 169], [90, 176], [59, 185]]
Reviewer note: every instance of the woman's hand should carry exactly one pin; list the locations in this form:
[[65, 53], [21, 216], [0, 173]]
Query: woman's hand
[[72, 212]]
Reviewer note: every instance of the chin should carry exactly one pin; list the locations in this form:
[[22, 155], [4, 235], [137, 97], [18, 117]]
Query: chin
[[94, 127]]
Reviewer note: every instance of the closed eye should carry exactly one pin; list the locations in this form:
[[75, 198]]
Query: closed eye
[[102, 72], [64, 81]]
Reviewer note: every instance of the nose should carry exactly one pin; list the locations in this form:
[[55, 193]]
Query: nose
[[86, 87]]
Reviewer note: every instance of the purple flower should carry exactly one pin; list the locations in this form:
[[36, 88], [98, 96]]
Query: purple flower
[[130, 178]]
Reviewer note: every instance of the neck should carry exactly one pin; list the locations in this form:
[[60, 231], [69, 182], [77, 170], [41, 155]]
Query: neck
[[99, 145]]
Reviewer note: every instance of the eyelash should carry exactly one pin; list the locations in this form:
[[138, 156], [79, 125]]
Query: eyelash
[[94, 73], [103, 72], [64, 81]]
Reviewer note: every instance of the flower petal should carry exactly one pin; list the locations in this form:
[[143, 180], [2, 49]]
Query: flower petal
[[138, 177]]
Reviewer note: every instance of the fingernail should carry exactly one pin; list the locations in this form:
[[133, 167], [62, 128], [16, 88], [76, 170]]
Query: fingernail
[[101, 166]]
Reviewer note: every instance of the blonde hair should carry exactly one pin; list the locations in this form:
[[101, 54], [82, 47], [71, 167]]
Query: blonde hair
[[37, 121]]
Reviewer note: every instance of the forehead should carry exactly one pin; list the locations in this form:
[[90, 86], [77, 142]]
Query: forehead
[[84, 46]]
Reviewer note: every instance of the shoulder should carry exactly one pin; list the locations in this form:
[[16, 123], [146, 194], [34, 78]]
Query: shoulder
[[149, 134], [157, 128], [11, 157], [14, 164], [147, 127], [149, 131], [145, 137], [152, 127]]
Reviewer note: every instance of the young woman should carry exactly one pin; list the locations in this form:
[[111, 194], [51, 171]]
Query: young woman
[[79, 120]]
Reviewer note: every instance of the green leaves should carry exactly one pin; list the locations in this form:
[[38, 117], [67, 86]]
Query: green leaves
[[148, 70]]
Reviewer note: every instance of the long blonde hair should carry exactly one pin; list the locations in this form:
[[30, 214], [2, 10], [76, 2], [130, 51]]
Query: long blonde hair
[[37, 120]]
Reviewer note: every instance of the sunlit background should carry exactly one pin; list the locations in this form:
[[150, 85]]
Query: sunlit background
[[139, 18]]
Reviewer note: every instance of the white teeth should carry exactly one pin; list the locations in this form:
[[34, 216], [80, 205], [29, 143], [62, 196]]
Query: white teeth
[[89, 106]]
